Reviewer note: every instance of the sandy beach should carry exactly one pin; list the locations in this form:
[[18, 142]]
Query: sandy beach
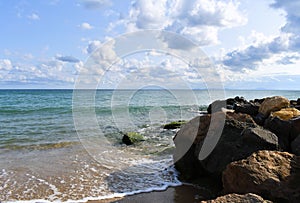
[[180, 194]]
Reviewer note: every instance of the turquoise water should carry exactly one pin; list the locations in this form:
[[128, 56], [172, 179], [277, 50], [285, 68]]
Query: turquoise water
[[40, 146]]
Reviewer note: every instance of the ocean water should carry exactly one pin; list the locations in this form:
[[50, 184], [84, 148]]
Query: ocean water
[[65, 145]]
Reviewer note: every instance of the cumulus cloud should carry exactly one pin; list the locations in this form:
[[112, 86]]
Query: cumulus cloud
[[46, 72], [86, 26], [251, 56], [5, 64], [5, 67], [34, 16], [199, 20], [287, 42], [69, 59], [287, 60], [92, 46], [96, 4]]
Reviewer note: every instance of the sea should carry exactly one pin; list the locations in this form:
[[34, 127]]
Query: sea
[[66, 145]]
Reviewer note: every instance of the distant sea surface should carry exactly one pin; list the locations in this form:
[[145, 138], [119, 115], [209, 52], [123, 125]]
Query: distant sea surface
[[45, 156]]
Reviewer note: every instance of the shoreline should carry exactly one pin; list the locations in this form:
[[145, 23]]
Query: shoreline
[[174, 194]]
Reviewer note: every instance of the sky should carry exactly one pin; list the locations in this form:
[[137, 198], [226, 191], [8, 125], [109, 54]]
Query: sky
[[51, 44]]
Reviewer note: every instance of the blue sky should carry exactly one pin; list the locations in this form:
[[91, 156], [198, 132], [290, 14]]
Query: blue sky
[[253, 44]]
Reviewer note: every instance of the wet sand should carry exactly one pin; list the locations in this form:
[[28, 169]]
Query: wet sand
[[180, 194]]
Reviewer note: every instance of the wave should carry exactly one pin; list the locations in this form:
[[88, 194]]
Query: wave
[[22, 110], [43, 146]]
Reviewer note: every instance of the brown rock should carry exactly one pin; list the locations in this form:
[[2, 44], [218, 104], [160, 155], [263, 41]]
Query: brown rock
[[271, 104], [236, 198], [271, 174], [286, 113], [223, 138], [186, 140]]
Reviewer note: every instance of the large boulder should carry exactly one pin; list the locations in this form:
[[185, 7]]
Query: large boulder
[[271, 104], [285, 130], [281, 129], [237, 198], [286, 113], [186, 139], [271, 174], [235, 143], [295, 146]]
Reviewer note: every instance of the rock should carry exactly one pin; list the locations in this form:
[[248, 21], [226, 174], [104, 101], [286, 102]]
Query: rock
[[237, 198], [240, 99], [295, 146], [281, 129], [216, 106], [298, 101], [286, 131], [258, 101], [271, 104], [271, 174], [174, 125], [185, 141], [248, 108], [259, 138], [259, 119], [286, 113], [234, 144], [132, 138], [293, 103], [295, 128]]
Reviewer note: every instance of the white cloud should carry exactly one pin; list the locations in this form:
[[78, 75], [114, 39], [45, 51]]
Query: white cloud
[[46, 72], [86, 26], [277, 50], [199, 20], [34, 16], [5, 64]]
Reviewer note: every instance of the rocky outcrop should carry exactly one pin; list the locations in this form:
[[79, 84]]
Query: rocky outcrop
[[271, 174], [241, 131], [271, 104], [240, 137], [237, 198]]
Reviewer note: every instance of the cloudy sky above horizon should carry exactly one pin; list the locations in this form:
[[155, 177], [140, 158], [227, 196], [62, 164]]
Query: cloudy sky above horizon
[[252, 44]]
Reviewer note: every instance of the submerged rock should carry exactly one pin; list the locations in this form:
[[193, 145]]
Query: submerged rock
[[174, 125], [130, 138], [271, 104], [271, 174], [237, 198]]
